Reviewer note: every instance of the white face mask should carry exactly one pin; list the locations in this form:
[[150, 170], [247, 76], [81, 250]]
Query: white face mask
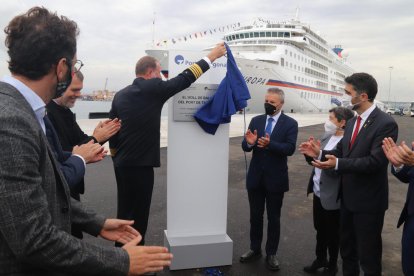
[[330, 128], [352, 106]]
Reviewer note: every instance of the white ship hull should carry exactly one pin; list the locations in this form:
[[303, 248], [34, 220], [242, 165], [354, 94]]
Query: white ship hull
[[260, 76]]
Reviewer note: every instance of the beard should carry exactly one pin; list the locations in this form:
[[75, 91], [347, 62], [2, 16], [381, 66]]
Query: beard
[[69, 104]]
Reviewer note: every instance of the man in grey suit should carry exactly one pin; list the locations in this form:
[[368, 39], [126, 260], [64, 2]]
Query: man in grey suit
[[36, 210]]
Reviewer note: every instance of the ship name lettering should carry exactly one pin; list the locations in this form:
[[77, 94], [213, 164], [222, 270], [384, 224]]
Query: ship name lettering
[[255, 80]]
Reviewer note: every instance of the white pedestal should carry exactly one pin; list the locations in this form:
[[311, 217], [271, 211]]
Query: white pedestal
[[197, 187], [199, 251]]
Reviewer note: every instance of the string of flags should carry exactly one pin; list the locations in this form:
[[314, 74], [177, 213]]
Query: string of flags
[[198, 35]]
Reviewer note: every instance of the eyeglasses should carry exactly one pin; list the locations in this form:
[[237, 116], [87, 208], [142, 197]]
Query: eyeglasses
[[78, 65]]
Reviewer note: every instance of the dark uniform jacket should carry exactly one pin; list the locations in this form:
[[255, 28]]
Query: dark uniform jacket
[[139, 107]]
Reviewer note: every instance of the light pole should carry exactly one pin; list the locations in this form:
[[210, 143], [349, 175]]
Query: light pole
[[389, 87]]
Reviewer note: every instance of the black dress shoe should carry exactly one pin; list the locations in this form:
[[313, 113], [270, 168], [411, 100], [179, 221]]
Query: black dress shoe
[[315, 266], [250, 256], [272, 263], [331, 270]]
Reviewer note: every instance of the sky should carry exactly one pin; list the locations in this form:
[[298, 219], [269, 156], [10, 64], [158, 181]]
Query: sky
[[376, 34]]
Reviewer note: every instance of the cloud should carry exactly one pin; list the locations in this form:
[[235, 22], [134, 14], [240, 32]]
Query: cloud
[[114, 34]]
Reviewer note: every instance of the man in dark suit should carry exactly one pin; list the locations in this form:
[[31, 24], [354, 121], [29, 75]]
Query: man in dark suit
[[135, 149], [64, 120], [71, 136], [73, 164], [68, 130], [402, 160], [362, 164], [36, 210], [272, 137]]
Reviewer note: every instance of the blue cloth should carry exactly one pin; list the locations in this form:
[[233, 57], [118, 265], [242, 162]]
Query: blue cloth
[[268, 129], [231, 96]]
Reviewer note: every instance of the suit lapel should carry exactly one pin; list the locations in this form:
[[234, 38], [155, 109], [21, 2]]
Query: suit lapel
[[347, 136], [363, 131], [56, 167], [279, 124], [261, 126]]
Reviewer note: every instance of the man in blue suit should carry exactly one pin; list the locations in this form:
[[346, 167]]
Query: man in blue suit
[[402, 160], [272, 137]]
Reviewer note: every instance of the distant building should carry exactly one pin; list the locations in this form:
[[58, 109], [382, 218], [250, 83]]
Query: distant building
[[99, 95]]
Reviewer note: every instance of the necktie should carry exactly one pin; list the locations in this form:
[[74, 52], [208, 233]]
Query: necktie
[[268, 129], [355, 131]]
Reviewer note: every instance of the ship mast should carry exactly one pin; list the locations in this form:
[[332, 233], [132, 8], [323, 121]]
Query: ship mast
[[297, 14], [153, 32], [106, 83]]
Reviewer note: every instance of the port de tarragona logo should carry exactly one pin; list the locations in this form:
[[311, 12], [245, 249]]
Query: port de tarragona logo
[[179, 59]]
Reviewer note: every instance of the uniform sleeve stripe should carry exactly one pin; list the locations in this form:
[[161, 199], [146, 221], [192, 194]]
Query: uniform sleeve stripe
[[197, 70], [200, 72], [192, 69]]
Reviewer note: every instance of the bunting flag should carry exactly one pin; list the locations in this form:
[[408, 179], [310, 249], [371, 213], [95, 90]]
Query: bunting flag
[[197, 35]]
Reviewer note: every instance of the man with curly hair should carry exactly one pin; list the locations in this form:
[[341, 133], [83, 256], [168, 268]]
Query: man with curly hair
[[36, 210]]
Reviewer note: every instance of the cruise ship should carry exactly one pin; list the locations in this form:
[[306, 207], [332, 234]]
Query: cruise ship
[[287, 55], [291, 56]]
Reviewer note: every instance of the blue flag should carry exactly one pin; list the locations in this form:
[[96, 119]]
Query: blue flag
[[230, 97]]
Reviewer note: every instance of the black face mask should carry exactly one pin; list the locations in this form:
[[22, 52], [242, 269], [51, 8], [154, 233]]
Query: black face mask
[[63, 85], [270, 109]]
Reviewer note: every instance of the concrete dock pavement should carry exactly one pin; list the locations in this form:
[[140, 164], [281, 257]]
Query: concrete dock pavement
[[297, 242]]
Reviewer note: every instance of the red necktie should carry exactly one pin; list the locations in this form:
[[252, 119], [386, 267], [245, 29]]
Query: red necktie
[[355, 131]]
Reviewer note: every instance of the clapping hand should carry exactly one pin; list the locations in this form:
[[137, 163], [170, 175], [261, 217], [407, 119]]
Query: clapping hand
[[330, 162], [311, 147], [106, 129], [263, 142], [398, 155], [91, 152], [251, 137]]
